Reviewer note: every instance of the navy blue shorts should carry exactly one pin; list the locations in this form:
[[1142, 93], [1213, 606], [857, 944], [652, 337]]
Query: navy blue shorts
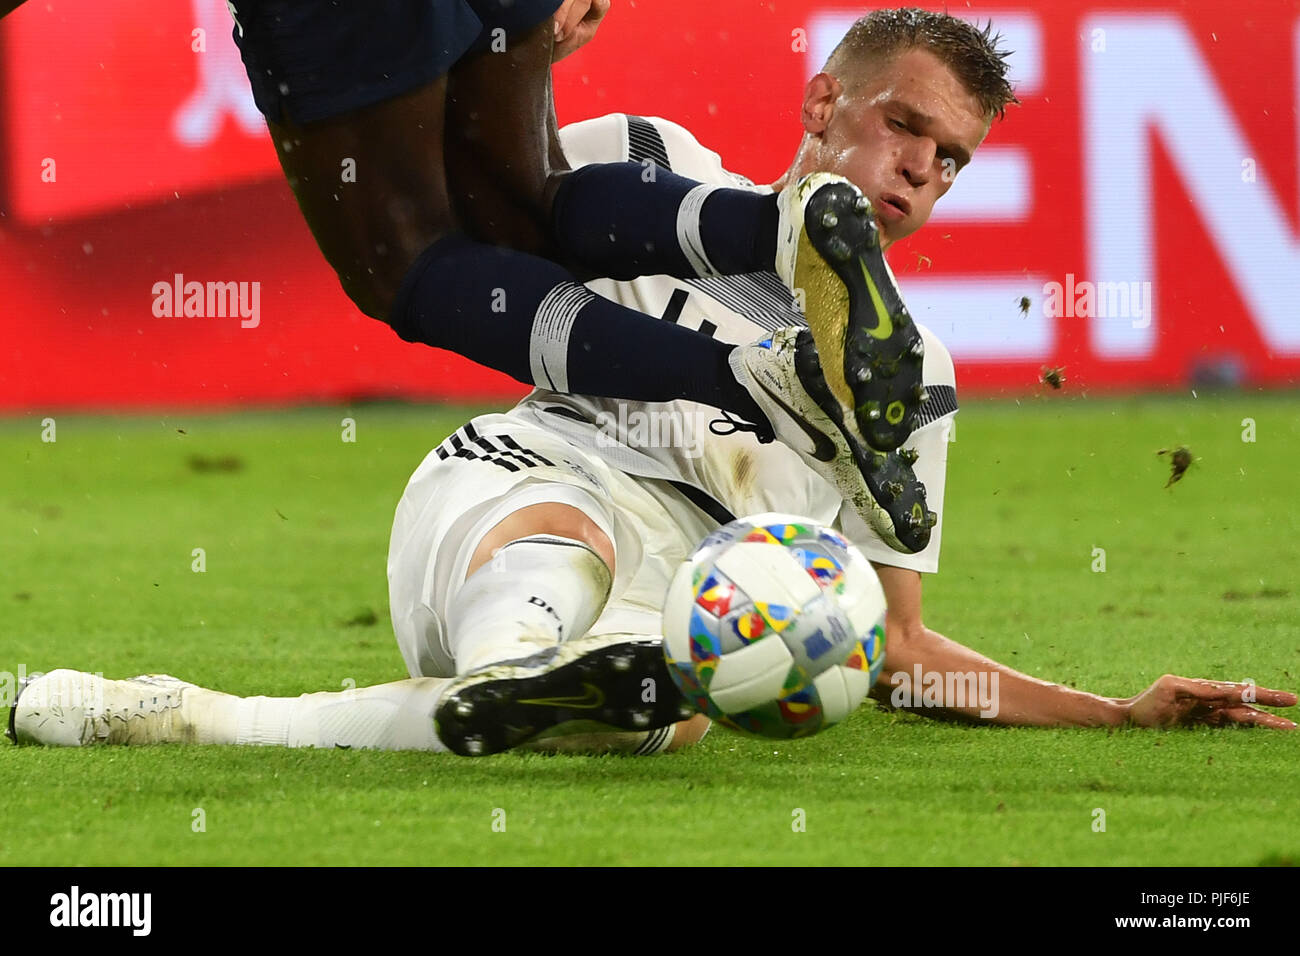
[[310, 60]]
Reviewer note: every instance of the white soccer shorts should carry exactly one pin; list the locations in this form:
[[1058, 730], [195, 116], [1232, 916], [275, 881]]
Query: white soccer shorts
[[494, 466]]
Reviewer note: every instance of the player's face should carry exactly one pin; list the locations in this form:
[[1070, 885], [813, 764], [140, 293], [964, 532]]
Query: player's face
[[901, 134]]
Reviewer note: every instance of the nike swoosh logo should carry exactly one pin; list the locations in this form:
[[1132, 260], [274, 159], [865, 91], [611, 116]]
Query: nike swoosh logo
[[884, 324], [823, 448], [593, 698]]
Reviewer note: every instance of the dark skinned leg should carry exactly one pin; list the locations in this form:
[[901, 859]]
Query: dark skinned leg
[[503, 151], [394, 240], [372, 230], [505, 168]]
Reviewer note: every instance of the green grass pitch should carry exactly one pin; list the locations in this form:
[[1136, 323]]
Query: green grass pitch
[[1200, 579]]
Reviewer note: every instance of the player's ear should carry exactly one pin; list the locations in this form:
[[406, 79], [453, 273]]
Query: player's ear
[[819, 102]]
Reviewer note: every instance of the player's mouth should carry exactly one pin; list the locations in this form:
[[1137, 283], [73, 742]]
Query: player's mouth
[[892, 208]]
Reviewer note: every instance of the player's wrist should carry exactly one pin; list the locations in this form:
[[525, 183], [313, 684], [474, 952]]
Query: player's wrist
[[1115, 711]]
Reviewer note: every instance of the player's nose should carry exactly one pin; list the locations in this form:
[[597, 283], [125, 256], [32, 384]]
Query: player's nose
[[916, 164]]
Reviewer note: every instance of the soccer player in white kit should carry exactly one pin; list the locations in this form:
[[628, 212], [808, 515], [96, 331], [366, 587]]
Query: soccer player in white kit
[[531, 550]]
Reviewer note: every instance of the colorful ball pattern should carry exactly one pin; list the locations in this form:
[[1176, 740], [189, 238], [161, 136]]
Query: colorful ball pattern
[[775, 626]]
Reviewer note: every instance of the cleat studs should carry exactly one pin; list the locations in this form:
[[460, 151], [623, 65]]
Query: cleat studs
[[931, 519], [873, 411], [864, 374], [641, 718], [920, 394], [838, 250], [474, 746], [861, 206], [830, 220], [908, 455], [901, 320], [917, 350], [622, 662], [464, 708], [895, 489]]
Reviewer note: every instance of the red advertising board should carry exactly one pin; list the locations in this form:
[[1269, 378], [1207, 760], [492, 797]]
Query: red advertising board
[[1145, 197]]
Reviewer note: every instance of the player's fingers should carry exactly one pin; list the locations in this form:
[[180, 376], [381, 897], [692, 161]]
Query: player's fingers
[[560, 16], [1248, 694], [582, 33], [1275, 698], [573, 13], [1249, 716], [1212, 691]]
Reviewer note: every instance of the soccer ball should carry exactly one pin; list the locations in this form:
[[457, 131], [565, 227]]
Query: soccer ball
[[775, 626]]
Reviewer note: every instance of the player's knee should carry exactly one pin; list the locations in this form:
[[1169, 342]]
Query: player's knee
[[371, 296], [374, 275], [373, 287], [553, 518]]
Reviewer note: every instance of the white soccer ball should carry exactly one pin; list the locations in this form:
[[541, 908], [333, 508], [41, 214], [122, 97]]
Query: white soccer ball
[[775, 626]]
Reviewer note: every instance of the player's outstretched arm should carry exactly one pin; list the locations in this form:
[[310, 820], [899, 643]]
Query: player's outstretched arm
[[957, 682]]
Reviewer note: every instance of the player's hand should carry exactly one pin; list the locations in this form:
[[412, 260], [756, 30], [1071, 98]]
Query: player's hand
[[1185, 701], [576, 23]]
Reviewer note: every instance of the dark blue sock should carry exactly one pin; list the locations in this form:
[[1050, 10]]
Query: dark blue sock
[[527, 317], [610, 220]]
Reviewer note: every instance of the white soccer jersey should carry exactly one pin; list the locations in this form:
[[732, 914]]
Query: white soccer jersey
[[686, 443]]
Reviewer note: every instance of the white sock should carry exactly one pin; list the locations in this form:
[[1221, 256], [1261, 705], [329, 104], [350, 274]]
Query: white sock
[[396, 716], [532, 594]]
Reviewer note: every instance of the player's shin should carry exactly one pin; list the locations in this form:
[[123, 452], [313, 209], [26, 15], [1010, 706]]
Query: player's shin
[[529, 318], [67, 708], [626, 220], [534, 592], [394, 716]]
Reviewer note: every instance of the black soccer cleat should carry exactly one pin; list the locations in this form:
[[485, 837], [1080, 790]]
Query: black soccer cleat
[[613, 680], [869, 345]]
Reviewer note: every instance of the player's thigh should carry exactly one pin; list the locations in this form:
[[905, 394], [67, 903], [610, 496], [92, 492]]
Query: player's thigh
[[660, 529], [372, 189], [502, 150], [354, 95]]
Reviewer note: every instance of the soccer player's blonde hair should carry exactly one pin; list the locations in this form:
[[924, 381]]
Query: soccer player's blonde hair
[[971, 53]]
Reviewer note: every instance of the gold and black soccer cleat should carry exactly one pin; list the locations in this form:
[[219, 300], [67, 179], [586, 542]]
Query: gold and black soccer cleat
[[829, 254]]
